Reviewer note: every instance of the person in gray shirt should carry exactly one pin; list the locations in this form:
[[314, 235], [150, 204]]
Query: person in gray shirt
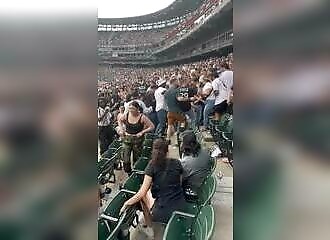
[[196, 162]]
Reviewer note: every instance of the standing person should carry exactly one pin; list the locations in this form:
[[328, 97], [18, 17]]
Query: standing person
[[163, 176], [175, 114], [106, 132], [198, 105], [132, 127], [150, 102], [223, 85], [161, 108], [186, 96], [209, 97]]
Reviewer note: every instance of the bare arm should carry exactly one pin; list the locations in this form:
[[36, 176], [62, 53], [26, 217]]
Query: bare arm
[[140, 194], [121, 124], [148, 125]]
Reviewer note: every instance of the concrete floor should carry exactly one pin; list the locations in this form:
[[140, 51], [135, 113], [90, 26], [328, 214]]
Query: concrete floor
[[222, 200]]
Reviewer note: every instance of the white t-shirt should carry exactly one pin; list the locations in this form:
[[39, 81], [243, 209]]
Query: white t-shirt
[[141, 103], [106, 119], [223, 85], [206, 87], [160, 99]]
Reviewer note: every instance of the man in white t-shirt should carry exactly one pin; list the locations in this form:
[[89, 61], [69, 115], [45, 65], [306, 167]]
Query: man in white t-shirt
[[209, 100], [161, 108], [106, 132], [222, 90]]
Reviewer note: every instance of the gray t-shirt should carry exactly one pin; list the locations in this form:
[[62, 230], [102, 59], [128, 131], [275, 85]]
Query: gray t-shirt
[[196, 169], [171, 101]]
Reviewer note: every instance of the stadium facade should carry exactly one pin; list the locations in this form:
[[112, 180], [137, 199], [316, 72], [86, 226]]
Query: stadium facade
[[185, 31]]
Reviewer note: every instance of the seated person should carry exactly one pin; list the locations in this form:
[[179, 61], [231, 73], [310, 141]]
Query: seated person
[[196, 162], [163, 176]]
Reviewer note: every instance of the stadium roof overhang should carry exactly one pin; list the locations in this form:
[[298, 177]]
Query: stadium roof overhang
[[177, 8]]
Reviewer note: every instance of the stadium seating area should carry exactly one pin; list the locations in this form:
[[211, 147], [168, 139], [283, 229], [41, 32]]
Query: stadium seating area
[[196, 222], [156, 36], [148, 37]]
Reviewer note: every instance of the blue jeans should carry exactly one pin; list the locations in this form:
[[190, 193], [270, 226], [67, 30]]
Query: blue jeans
[[162, 116], [198, 115], [192, 115], [209, 104], [153, 118]]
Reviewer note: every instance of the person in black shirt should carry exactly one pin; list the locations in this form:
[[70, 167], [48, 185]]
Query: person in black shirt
[[186, 95], [163, 176], [150, 101]]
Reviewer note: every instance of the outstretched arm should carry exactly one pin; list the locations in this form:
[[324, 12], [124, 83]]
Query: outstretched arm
[[140, 194]]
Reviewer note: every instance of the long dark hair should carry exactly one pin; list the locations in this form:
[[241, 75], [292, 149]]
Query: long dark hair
[[190, 145], [159, 152], [137, 106]]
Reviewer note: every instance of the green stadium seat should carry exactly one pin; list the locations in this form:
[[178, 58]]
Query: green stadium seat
[[115, 144], [150, 136], [111, 222], [148, 142], [106, 166], [214, 165], [185, 226], [134, 182], [146, 152], [205, 194], [141, 164]]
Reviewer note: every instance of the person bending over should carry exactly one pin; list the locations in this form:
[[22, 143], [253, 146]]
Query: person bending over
[[132, 127]]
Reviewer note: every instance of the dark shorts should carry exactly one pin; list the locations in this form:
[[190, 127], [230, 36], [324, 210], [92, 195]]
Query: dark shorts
[[221, 107]]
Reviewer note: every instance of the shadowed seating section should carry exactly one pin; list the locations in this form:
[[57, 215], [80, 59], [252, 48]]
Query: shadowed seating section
[[111, 223], [204, 195], [185, 226]]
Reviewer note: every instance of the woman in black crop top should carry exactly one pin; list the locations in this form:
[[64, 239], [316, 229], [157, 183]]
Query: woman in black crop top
[[132, 127]]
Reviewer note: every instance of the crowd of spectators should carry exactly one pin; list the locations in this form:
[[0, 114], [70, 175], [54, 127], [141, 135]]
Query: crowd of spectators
[[196, 18], [135, 102], [118, 85], [121, 38], [162, 35]]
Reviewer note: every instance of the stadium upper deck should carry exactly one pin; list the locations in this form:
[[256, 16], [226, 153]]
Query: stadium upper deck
[[132, 39], [177, 8]]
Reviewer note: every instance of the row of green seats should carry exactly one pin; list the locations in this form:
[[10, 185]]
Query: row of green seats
[[197, 221], [111, 224], [204, 195], [186, 226], [222, 132]]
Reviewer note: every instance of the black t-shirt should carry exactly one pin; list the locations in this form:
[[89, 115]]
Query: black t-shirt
[[150, 100], [166, 181], [185, 106]]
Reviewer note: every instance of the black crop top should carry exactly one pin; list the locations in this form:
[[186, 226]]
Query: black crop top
[[134, 128]]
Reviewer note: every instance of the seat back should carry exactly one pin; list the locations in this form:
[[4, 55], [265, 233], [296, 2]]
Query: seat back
[[148, 142], [141, 164], [111, 222], [134, 182], [207, 190], [103, 230], [204, 225], [146, 152]]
